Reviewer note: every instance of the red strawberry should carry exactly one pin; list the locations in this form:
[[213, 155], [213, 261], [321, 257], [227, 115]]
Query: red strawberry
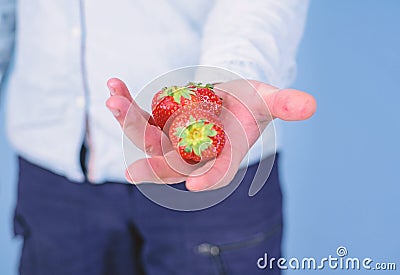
[[197, 135], [169, 100], [207, 95]]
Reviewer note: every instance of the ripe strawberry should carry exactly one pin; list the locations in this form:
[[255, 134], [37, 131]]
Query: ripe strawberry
[[169, 100], [207, 96], [197, 135]]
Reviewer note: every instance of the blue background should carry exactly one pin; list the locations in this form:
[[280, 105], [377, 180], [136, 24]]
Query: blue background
[[341, 169]]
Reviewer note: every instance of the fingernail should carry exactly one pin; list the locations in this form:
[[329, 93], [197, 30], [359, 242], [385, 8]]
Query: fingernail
[[115, 112], [112, 91]]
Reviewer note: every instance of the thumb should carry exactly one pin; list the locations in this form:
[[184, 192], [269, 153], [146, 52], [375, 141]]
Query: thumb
[[289, 104]]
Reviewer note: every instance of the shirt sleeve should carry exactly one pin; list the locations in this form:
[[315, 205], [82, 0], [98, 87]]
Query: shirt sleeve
[[256, 39], [7, 32]]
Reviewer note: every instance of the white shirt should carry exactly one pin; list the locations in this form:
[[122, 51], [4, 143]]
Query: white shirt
[[66, 50]]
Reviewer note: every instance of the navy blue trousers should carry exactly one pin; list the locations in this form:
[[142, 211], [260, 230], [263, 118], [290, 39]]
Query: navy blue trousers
[[82, 228]]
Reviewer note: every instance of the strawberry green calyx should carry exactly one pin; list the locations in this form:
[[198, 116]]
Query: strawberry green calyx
[[196, 137], [201, 85], [177, 92]]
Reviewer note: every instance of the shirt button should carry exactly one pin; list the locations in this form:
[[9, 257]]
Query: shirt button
[[80, 101], [76, 32]]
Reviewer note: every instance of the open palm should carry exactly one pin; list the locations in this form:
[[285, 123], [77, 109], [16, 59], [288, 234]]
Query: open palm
[[248, 108]]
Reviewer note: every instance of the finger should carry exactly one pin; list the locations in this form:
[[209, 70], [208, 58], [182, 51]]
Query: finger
[[119, 106], [143, 135], [118, 87], [287, 104], [155, 169]]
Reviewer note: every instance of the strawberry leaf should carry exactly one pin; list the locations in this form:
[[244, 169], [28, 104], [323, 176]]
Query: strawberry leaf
[[196, 151], [179, 131], [177, 98], [188, 149]]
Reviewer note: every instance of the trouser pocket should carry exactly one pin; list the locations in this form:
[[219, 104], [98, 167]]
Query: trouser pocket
[[240, 256]]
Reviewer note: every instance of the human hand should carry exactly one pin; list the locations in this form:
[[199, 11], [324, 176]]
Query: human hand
[[248, 109]]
